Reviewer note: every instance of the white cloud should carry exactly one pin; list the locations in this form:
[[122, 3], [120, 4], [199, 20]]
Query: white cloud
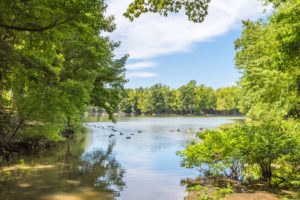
[[140, 74], [152, 35], [140, 65]]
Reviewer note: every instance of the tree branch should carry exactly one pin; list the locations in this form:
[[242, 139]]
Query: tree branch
[[33, 29]]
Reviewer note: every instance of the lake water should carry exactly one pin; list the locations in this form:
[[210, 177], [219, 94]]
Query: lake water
[[144, 167]]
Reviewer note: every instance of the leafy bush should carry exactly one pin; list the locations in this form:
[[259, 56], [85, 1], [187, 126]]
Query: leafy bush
[[203, 193], [269, 150]]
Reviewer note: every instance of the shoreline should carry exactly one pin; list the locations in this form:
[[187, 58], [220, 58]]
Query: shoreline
[[106, 118]]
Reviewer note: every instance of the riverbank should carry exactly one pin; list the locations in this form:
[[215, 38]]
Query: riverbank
[[120, 117], [38, 146], [253, 195], [238, 191]]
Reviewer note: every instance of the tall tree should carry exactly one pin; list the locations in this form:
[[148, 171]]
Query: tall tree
[[144, 100], [228, 99], [205, 98], [188, 96], [158, 98], [173, 101], [54, 63], [268, 54]]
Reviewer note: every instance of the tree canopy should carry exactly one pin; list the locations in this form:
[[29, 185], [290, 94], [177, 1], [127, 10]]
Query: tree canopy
[[195, 10], [267, 146], [268, 55], [55, 63], [187, 99]]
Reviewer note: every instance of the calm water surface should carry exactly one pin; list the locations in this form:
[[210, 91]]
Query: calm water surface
[[144, 167]]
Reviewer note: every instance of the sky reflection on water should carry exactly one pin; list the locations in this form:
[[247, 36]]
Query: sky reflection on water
[[152, 167], [99, 167]]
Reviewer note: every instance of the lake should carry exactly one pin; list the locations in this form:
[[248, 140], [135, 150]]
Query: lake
[[137, 162]]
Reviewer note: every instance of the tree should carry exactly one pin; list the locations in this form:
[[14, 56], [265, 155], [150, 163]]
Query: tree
[[228, 99], [144, 100], [126, 104], [196, 10], [205, 98], [188, 99], [173, 101], [188, 96], [243, 148], [54, 63], [268, 55], [158, 98], [269, 145]]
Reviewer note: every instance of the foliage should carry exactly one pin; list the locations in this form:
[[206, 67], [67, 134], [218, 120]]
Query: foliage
[[269, 146], [159, 98], [188, 96], [223, 192], [203, 193], [54, 63], [196, 10], [205, 99], [173, 101], [143, 100], [268, 55], [228, 98], [188, 99]]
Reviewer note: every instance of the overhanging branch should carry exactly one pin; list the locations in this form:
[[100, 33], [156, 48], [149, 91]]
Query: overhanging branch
[[33, 29]]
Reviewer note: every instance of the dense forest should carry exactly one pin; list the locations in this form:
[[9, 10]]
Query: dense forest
[[54, 63], [188, 99]]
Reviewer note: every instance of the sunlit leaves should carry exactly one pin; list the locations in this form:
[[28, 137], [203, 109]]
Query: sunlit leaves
[[255, 144], [195, 10], [55, 64], [188, 99], [268, 57]]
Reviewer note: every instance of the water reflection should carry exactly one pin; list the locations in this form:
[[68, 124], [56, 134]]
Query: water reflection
[[153, 169], [73, 175], [94, 168]]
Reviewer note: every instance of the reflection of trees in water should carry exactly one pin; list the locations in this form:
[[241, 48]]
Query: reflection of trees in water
[[97, 172], [103, 165]]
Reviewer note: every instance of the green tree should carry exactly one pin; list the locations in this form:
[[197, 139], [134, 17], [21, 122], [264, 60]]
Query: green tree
[[158, 98], [188, 96], [268, 54], [144, 100], [196, 10], [126, 104], [228, 99], [205, 98], [54, 63], [173, 101], [133, 98], [266, 146]]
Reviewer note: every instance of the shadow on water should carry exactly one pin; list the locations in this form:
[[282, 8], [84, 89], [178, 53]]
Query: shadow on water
[[65, 172]]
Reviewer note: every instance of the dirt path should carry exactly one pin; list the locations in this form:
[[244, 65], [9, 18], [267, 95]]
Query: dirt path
[[259, 195]]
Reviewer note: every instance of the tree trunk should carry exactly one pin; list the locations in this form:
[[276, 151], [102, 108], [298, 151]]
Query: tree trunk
[[266, 171]]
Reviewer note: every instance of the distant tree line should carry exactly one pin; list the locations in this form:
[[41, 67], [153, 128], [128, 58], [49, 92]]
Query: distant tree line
[[188, 99]]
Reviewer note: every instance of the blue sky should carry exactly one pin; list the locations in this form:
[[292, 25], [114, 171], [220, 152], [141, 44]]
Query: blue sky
[[210, 63], [174, 51]]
